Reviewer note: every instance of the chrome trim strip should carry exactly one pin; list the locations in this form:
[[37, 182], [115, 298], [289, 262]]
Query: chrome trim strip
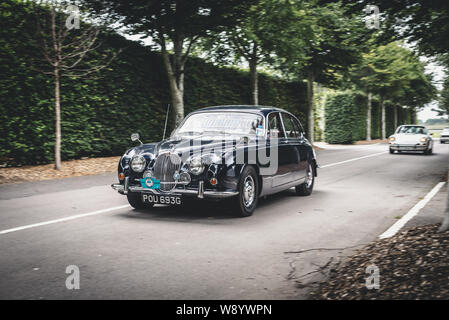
[[125, 188], [206, 193], [201, 190]]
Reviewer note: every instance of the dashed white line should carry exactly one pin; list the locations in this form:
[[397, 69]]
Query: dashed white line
[[413, 212], [40, 224], [354, 159]]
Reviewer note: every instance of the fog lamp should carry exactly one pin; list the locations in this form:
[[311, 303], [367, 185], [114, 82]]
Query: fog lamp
[[184, 177]]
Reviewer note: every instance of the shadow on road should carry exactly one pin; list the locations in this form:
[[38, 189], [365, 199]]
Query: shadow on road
[[416, 153], [206, 210]]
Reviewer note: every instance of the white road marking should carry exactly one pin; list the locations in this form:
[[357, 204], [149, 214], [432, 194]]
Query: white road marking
[[62, 219], [413, 212], [126, 206], [354, 159]]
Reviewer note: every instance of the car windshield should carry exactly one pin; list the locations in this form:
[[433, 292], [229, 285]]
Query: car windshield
[[237, 123], [412, 130]]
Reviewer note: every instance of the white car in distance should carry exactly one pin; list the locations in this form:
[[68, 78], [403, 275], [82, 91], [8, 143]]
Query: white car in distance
[[444, 135], [411, 138]]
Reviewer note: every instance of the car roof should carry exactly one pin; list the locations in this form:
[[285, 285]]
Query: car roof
[[251, 108], [412, 125]]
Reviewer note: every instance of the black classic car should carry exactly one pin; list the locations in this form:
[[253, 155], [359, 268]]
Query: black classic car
[[240, 153]]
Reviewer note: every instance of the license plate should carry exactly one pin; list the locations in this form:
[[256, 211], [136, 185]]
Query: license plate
[[161, 199]]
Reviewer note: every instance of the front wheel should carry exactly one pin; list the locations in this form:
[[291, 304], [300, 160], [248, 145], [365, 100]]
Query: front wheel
[[391, 150], [135, 200], [306, 188], [246, 201]]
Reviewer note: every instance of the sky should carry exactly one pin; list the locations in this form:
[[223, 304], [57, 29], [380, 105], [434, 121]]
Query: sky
[[439, 74]]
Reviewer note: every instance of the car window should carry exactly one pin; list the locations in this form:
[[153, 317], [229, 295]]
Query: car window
[[292, 129], [239, 123], [412, 130], [275, 129]]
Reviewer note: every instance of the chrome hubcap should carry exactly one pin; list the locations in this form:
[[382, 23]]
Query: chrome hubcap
[[309, 177], [248, 191]]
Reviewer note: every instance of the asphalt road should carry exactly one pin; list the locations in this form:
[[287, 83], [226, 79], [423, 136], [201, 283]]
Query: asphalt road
[[202, 252]]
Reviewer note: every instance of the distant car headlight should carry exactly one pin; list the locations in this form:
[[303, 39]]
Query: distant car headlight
[[138, 163], [196, 165], [423, 139], [392, 139]]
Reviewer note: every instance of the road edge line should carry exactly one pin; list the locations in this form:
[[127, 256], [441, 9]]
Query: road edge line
[[412, 212]]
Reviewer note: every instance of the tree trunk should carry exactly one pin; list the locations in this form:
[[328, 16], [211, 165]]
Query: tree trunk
[[311, 109], [58, 121], [175, 75], [177, 100], [384, 130], [412, 116], [369, 107], [395, 109], [254, 81]]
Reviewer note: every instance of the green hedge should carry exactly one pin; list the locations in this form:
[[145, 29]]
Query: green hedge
[[346, 118], [99, 114]]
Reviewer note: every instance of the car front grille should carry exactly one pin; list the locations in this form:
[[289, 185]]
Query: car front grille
[[165, 166]]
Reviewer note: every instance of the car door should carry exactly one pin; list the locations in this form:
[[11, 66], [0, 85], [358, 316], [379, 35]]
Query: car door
[[296, 149], [276, 134]]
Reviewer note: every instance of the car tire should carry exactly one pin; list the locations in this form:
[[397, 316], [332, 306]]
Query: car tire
[[135, 201], [246, 201], [306, 188], [391, 151]]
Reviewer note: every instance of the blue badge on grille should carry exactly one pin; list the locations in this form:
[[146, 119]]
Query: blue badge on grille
[[150, 183]]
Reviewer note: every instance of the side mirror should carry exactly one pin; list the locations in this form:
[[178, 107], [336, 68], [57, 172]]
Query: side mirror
[[135, 137]]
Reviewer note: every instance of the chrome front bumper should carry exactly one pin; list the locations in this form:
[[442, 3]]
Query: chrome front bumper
[[200, 193], [408, 147]]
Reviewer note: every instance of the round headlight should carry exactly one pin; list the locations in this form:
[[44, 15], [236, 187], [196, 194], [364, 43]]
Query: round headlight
[[423, 139], [196, 165], [392, 139], [138, 163], [211, 158]]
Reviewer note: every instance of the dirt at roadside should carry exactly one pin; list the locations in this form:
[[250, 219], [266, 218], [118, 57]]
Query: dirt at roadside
[[363, 142], [412, 265], [73, 168]]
